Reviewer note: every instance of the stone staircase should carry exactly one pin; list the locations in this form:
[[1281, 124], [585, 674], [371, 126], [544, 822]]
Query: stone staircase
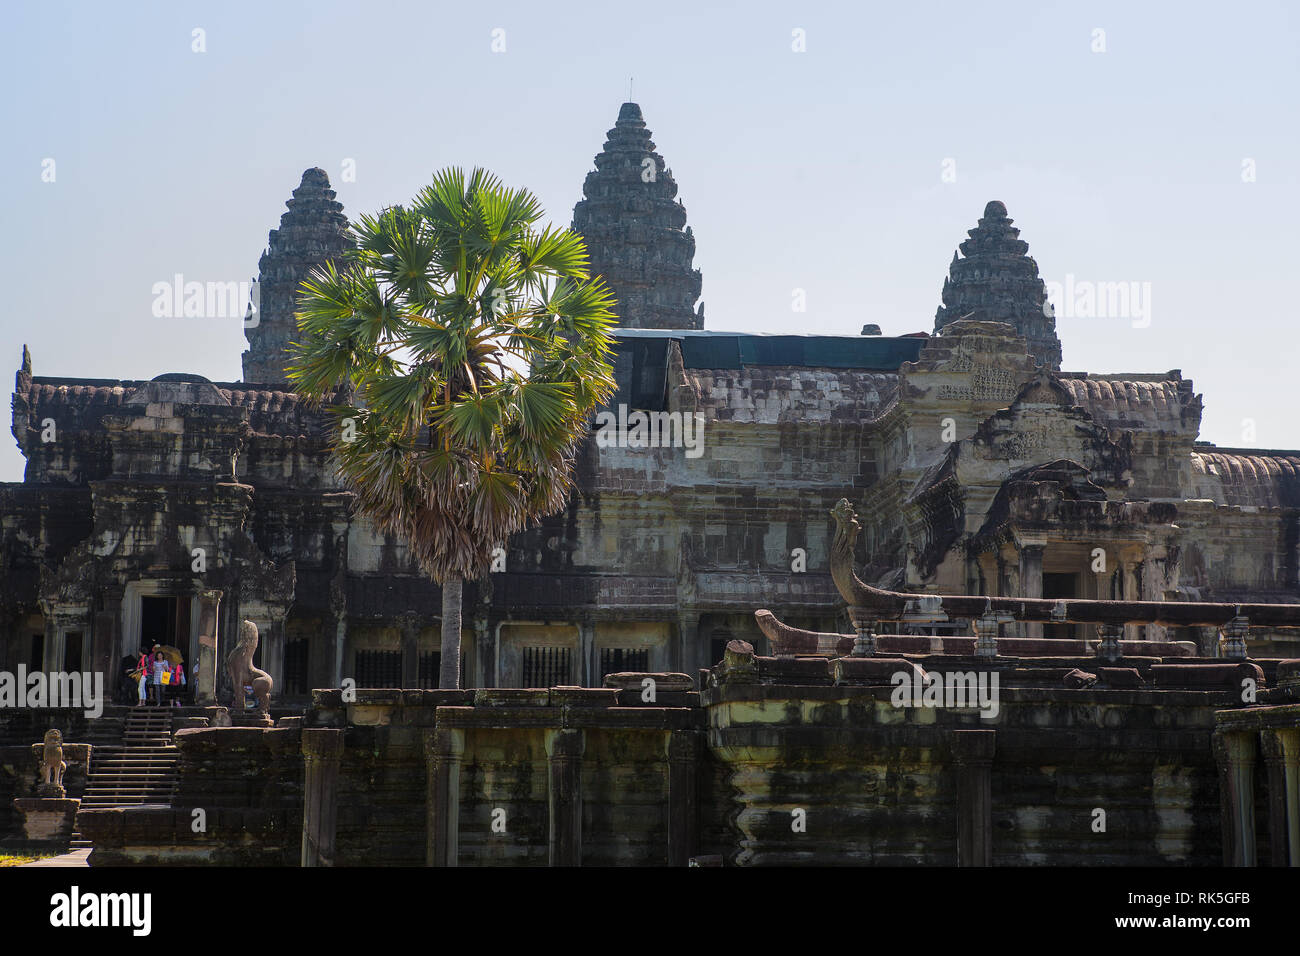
[[139, 771]]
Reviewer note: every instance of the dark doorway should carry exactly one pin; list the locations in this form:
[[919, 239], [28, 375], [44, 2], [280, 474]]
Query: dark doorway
[[37, 659], [1060, 587], [72, 652], [165, 620], [296, 660]]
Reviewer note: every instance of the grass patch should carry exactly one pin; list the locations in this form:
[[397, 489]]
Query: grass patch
[[7, 859]]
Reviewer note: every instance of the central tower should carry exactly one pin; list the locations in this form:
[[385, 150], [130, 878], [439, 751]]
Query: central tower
[[636, 231], [314, 231], [997, 281]]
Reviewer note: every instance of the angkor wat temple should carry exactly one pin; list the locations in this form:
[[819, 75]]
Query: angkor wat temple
[[979, 467]]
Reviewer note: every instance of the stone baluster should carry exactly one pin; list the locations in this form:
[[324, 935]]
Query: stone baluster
[[864, 626], [986, 635], [1110, 648], [1233, 637]]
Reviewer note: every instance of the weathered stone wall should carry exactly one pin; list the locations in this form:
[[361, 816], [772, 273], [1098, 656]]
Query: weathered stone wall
[[879, 783], [772, 394], [873, 782]]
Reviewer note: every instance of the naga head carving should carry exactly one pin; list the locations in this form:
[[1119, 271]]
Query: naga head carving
[[846, 526]]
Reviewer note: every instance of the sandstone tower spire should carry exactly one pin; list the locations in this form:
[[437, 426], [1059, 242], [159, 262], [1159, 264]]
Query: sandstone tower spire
[[999, 282], [634, 231], [311, 233]]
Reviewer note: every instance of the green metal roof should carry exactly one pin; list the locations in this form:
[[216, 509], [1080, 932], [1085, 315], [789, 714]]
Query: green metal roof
[[701, 349]]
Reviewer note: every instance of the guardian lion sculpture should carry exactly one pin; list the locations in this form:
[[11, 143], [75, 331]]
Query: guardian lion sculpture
[[242, 672], [52, 763]]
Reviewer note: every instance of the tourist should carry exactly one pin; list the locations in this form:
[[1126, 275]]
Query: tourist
[[160, 667], [177, 686], [143, 669]]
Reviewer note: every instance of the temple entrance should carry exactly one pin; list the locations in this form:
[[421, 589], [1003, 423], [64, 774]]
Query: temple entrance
[[72, 651], [164, 620], [1058, 587]]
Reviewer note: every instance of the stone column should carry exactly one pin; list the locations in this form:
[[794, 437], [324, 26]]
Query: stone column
[[683, 819], [322, 751], [564, 749], [1128, 592], [1290, 741], [410, 628], [588, 657], [972, 752], [1102, 585], [1281, 747], [205, 691], [273, 651], [1031, 582], [340, 629], [443, 750], [1275, 796], [692, 648], [1235, 753], [1109, 649], [485, 650]]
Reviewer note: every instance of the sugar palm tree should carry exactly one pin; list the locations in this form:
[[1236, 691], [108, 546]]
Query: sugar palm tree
[[462, 349]]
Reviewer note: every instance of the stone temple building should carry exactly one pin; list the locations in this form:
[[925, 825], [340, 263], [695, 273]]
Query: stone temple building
[[977, 464]]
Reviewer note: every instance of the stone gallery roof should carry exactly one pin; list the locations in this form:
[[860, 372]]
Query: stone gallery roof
[[1244, 478], [1145, 402], [271, 411], [46, 390], [77, 392], [260, 398]]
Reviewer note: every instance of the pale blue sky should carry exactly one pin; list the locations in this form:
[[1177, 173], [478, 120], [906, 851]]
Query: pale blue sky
[[818, 170]]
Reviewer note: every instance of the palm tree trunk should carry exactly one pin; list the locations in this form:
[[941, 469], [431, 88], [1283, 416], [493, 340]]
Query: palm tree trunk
[[449, 673]]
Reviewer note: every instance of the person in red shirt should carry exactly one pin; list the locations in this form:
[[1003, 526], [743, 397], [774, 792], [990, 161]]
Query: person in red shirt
[[143, 666]]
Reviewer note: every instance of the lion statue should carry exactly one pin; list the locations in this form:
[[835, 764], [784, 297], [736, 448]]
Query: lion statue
[[242, 672], [52, 764]]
